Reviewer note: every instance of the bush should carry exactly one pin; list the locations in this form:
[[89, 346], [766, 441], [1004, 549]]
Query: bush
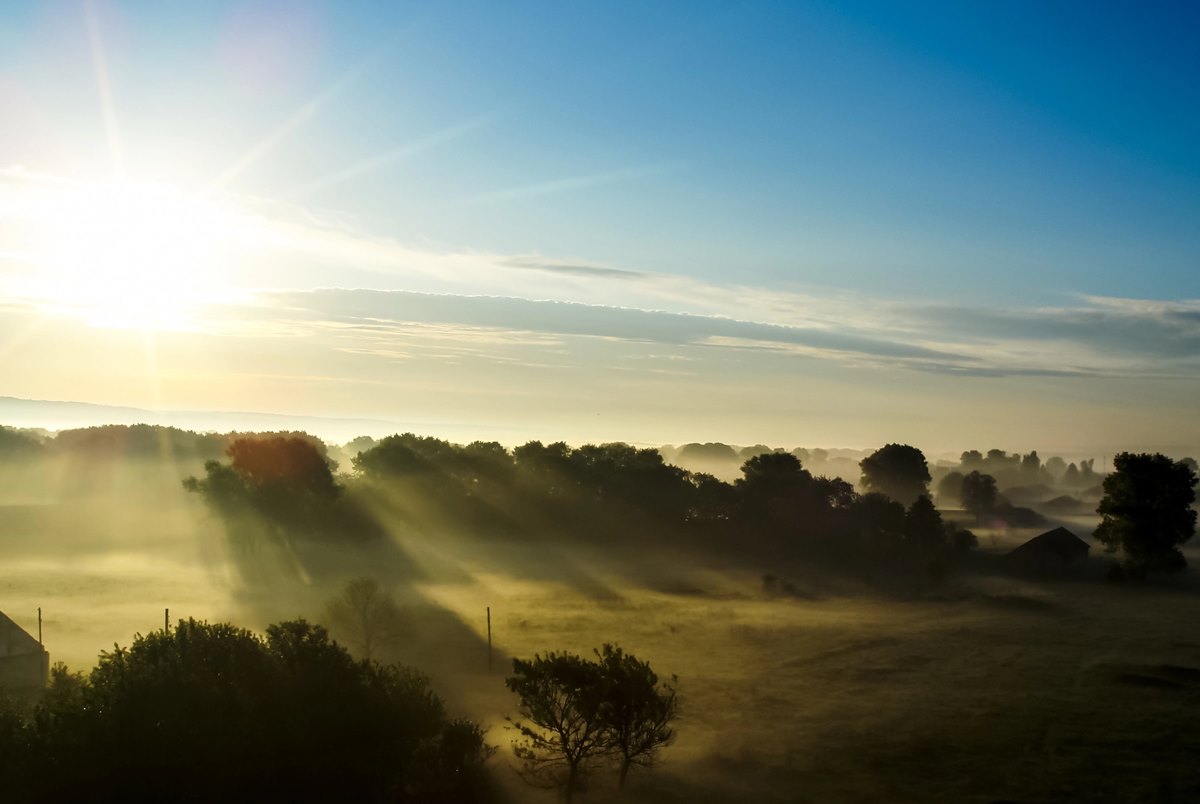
[[211, 712]]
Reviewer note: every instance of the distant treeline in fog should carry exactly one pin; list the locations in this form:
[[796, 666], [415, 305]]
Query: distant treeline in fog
[[292, 487]]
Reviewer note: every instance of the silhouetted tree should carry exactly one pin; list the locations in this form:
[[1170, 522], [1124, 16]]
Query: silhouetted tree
[[1031, 466], [1147, 511], [878, 519], [1087, 472], [961, 539], [777, 494], [17, 444], [287, 462], [978, 494], [971, 459], [547, 465], [897, 470], [772, 475], [713, 499], [486, 461], [406, 454], [950, 488], [923, 526], [746, 453], [283, 488], [367, 615], [561, 728], [637, 710], [707, 453], [215, 713]]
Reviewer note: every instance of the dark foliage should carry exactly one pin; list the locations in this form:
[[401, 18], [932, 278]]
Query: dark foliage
[[978, 493], [560, 728], [576, 714], [897, 470], [1147, 512], [636, 712], [19, 444], [211, 712], [281, 488]]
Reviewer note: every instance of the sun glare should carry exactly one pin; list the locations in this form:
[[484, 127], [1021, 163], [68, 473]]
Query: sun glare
[[131, 255]]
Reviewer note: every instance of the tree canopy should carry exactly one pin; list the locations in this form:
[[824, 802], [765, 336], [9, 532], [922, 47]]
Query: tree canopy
[[576, 713], [897, 470], [1146, 512], [637, 709], [560, 726], [212, 712], [978, 493]]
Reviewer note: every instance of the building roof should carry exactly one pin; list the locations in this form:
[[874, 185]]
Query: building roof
[[1060, 542], [15, 640]]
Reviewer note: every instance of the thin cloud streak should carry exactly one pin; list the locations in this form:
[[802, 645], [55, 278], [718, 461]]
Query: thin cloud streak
[[1095, 336]]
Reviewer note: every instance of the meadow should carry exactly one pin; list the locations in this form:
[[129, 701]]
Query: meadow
[[986, 688]]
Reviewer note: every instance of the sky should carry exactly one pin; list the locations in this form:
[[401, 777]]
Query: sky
[[957, 225]]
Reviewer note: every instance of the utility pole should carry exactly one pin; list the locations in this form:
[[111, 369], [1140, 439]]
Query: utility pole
[[40, 625], [166, 621], [489, 619]]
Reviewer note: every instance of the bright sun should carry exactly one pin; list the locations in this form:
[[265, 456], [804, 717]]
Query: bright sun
[[131, 255]]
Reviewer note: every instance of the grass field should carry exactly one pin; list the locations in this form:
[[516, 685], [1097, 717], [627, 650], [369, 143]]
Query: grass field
[[989, 689]]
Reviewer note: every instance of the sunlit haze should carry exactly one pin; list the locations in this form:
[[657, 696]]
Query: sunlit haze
[[599, 402], [800, 224]]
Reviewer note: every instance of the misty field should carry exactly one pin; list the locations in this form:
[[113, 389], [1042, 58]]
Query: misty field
[[991, 688]]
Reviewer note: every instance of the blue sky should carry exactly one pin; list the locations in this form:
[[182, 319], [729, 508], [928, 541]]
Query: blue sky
[[1024, 173]]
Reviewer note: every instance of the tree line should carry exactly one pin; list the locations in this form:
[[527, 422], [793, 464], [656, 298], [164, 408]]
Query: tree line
[[609, 493]]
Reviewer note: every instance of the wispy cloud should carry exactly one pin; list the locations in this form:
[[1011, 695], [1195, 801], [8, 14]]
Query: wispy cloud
[[575, 268], [286, 252], [1065, 342]]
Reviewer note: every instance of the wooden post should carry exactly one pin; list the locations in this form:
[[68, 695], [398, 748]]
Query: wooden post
[[39, 625], [489, 618], [166, 621]]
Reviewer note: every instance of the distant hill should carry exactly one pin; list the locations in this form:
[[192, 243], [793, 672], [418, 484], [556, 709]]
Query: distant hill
[[58, 415]]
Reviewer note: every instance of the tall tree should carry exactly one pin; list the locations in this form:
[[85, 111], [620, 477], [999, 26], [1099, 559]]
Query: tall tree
[[1146, 512], [923, 526], [561, 728], [897, 470], [637, 709], [949, 489], [978, 494]]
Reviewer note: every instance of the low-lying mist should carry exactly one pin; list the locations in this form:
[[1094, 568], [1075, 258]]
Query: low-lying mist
[[836, 630]]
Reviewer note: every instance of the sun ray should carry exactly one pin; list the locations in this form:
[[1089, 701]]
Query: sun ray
[[104, 86], [289, 126], [395, 154]]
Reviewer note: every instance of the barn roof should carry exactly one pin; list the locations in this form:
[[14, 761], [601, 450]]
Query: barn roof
[[1059, 541]]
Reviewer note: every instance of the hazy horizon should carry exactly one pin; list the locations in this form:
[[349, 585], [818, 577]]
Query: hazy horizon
[[798, 224], [57, 415]]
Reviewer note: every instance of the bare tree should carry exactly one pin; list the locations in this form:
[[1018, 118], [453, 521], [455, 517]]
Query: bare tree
[[367, 616]]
